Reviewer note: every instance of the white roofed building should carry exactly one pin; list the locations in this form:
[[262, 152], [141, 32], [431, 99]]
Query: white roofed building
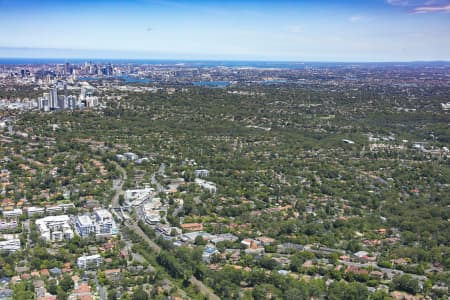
[[55, 228], [11, 245], [85, 262]]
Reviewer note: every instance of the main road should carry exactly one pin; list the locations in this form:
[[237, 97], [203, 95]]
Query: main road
[[118, 187], [194, 281], [390, 272], [205, 290]]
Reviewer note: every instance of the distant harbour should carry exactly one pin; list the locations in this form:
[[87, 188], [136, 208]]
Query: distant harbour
[[212, 83], [216, 63], [126, 79]]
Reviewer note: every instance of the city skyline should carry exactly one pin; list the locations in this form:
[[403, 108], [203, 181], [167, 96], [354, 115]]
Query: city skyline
[[392, 30]]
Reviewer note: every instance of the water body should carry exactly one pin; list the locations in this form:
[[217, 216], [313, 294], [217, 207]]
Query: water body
[[269, 82], [221, 63], [211, 83], [126, 79], [156, 62]]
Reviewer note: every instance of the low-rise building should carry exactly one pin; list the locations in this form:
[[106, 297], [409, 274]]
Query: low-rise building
[[138, 196], [130, 156], [11, 245], [225, 237], [55, 228], [120, 157], [105, 224], [192, 226], [33, 211], [250, 243], [85, 262], [84, 225], [151, 210], [7, 225], [201, 173], [208, 253], [191, 236], [17, 212], [6, 294], [206, 185], [82, 292], [265, 241], [289, 247], [101, 223], [54, 209]]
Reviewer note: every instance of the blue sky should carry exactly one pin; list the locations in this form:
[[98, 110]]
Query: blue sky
[[325, 30]]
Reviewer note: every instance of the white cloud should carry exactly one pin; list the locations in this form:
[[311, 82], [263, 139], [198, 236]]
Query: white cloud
[[398, 2], [295, 29], [423, 6], [432, 9], [356, 18]]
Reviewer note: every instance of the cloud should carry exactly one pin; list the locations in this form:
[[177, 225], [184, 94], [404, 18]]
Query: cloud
[[423, 6], [398, 2], [356, 18], [295, 29], [418, 3], [432, 9]]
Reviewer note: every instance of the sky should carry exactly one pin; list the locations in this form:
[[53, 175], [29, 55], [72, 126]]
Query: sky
[[282, 30]]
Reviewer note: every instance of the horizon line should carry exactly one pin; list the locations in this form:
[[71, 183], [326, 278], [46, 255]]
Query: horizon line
[[127, 54], [67, 59]]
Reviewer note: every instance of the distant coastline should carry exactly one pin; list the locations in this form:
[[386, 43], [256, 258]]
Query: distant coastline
[[215, 63]]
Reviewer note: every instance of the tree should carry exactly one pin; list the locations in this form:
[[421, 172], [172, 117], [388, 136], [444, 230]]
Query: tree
[[140, 294], [343, 291], [52, 286], [296, 294], [265, 291], [199, 241], [406, 283], [268, 263], [379, 295], [23, 290], [61, 294], [66, 283], [112, 295]]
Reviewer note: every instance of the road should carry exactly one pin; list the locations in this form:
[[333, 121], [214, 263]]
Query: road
[[118, 187], [194, 281], [160, 172], [132, 225], [101, 290], [390, 272]]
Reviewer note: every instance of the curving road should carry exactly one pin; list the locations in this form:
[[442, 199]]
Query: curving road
[[194, 281], [118, 187], [132, 225]]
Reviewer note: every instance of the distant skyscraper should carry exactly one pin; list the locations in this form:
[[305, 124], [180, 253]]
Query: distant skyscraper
[[44, 102], [71, 102], [65, 92], [61, 102], [54, 98], [67, 69], [110, 70]]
